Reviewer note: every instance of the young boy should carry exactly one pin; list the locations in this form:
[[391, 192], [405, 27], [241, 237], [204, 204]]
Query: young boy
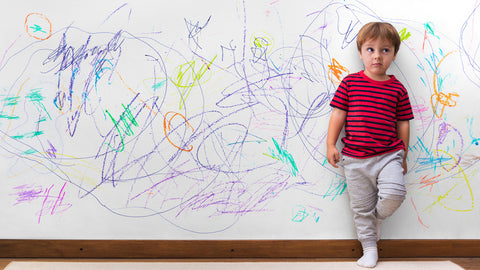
[[375, 109]]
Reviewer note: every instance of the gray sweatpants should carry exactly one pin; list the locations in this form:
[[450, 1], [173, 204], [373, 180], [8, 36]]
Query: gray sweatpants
[[376, 188]]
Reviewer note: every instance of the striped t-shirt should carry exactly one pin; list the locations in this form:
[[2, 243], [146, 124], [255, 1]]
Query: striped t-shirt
[[373, 109]]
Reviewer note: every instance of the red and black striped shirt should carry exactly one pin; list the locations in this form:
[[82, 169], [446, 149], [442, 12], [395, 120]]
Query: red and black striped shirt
[[373, 109]]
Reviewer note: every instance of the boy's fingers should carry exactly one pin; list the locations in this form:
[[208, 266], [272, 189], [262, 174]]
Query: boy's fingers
[[333, 161], [337, 157]]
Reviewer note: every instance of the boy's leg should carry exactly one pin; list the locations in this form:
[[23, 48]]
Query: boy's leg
[[362, 190], [372, 202], [391, 186]]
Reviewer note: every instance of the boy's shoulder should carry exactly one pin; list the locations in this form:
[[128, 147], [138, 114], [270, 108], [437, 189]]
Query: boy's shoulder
[[354, 76]]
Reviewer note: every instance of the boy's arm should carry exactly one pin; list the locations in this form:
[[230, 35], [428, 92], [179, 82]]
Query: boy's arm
[[337, 120], [403, 133]]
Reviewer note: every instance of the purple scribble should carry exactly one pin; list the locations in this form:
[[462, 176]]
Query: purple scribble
[[51, 203], [27, 193]]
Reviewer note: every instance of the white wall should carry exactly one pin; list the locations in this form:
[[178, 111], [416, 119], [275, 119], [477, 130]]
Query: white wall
[[181, 120]]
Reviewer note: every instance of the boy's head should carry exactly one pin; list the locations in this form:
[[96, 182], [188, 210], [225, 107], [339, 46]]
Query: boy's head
[[378, 30]]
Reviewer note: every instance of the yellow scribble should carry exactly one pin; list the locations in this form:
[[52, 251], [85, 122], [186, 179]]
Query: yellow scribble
[[188, 77], [455, 193], [58, 163]]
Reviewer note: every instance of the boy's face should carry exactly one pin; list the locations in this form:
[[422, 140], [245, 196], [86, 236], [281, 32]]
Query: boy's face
[[377, 55]]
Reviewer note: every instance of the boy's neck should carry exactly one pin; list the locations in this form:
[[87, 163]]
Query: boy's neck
[[380, 78]]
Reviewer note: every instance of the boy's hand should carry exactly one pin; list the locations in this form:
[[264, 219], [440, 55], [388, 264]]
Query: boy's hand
[[405, 168], [333, 156]]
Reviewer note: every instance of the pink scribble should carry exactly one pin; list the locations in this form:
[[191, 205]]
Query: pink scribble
[[51, 204], [6, 51]]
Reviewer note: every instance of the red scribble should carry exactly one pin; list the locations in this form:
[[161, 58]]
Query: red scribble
[[429, 181], [424, 39], [418, 216]]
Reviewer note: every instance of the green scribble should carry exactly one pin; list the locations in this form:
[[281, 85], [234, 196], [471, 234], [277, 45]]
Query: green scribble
[[29, 152], [300, 214], [159, 84], [43, 119], [429, 28], [127, 119], [336, 188], [4, 116], [37, 28], [34, 134], [261, 42], [270, 156], [34, 95], [404, 35], [10, 101], [187, 77], [282, 155], [36, 98], [28, 135]]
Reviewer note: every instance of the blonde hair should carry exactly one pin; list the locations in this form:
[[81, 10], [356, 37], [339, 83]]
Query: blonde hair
[[375, 30]]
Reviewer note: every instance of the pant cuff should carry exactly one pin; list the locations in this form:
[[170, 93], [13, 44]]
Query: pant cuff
[[369, 243]]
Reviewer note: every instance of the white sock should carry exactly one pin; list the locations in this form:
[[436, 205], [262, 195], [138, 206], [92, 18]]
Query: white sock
[[369, 258]]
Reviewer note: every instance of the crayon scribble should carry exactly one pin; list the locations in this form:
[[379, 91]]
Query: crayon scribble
[[214, 118]]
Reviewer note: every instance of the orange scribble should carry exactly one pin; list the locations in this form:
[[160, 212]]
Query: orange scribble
[[424, 39], [76, 106], [167, 127], [134, 92], [38, 26], [336, 70], [439, 98]]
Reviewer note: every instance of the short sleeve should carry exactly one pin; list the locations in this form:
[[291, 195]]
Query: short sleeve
[[340, 99], [404, 108]]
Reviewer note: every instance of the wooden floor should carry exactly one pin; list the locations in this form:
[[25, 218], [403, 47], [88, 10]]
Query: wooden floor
[[466, 263]]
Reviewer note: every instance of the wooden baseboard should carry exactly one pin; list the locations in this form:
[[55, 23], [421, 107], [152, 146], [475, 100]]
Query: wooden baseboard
[[175, 249]]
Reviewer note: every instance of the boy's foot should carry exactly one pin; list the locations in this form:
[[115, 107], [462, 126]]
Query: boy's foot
[[369, 258]]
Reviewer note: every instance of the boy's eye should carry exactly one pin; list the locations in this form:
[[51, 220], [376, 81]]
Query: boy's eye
[[386, 50], [369, 50]]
